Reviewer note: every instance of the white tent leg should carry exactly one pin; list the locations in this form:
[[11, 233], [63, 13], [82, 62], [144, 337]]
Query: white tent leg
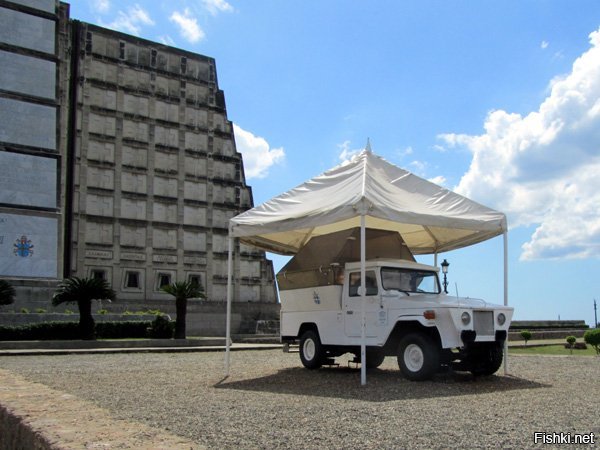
[[363, 285], [435, 259], [229, 295], [506, 297]]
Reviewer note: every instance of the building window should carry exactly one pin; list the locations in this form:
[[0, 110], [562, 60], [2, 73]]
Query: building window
[[122, 50], [98, 274], [88, 42], [195, 279], [164, 279], [132, 279], [153, 58], [183, 64]]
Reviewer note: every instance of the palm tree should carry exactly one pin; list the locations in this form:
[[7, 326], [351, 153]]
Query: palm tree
[[82, 291], [182, 290], [7, 293]]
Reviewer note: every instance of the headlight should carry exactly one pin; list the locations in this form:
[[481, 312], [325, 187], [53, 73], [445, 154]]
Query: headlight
[[466, 318], [501, 319]]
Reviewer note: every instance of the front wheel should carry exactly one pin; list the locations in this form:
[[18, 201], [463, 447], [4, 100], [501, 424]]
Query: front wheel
[[488, 360], [311, 350], [418, 357]]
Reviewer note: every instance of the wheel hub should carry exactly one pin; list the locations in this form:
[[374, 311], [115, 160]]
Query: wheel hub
[[309, 349], [413, 357]]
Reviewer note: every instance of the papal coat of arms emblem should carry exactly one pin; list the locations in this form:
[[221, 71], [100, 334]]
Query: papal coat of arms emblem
[[23, 247]]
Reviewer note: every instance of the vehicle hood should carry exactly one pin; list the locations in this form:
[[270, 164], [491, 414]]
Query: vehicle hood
[[467, 302]]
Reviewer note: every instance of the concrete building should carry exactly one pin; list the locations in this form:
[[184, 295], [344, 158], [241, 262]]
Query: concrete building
[[131, 171], [31, 231]]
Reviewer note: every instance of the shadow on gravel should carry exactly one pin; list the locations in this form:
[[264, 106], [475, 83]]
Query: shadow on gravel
[[382, 385]]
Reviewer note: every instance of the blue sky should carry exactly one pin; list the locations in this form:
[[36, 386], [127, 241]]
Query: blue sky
[[497, 100]]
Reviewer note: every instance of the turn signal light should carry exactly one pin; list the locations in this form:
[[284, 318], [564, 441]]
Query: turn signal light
[[429, 314]]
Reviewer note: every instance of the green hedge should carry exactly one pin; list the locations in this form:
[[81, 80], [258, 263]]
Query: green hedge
[[70, 331]]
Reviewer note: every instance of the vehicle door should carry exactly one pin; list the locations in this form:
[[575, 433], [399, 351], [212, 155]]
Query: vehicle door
[[352, 302]]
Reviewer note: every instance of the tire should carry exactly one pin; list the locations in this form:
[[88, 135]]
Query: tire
[[488, 360], [311, 350], [418, 357], [375, 358]]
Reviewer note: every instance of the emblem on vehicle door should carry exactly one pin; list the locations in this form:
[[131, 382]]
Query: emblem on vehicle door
[[316, 298]]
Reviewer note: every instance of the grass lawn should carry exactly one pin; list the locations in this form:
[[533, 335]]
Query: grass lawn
[[558, 349]]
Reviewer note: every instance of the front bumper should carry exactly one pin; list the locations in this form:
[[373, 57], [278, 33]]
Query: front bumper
[[468, 337]]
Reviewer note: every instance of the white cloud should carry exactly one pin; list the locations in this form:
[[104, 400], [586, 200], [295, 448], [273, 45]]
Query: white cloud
[[167, 40], [257, 153], [188, 25], [131, 21], [214, 7], [544, 45], [439, 180], [542, 169], [419, 167], [407, 151], [347, 153], [102, 6]]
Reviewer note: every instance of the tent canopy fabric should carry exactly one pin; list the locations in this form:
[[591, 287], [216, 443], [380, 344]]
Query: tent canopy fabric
[[429, 218]]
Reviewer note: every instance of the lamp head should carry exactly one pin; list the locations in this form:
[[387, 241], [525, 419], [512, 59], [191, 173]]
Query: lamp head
[[445, 265]]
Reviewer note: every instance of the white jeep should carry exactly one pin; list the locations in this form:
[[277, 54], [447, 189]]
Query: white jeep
[[407, 315]]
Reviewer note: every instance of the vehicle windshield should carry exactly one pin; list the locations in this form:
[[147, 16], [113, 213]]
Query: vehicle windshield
[[410, 280]]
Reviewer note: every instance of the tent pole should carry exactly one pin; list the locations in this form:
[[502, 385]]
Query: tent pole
[[363, 286], [505, 236], [435, 259], [229, 295]]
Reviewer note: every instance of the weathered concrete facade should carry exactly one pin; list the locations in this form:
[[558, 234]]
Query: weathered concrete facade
[[157, 174], [119, 149]]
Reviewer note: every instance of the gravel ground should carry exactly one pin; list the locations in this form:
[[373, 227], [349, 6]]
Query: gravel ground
[[271, 402]]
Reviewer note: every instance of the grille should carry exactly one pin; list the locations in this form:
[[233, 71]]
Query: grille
[[483, 323]]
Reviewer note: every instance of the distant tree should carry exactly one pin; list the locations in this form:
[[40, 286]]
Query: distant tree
[[182, 291], [571, 341], [7, 293], [82, 291], [526, 335], [592, 337]]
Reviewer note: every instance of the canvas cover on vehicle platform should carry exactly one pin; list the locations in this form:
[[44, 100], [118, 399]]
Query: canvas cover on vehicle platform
[[320, 261]]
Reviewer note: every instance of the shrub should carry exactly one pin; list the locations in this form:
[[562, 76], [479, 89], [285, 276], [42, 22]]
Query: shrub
[[40, 310], [592, 337], [526, 335], [24, 311], [68, 311], [103, 311], [41, 332], [122, 330], [70, 331], [571, 340], [161, 328]]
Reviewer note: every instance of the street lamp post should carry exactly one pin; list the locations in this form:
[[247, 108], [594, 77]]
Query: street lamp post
[[595, 314], [445, 265]]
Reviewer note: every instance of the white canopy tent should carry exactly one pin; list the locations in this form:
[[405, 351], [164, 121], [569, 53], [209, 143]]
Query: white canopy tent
[[366, 192]]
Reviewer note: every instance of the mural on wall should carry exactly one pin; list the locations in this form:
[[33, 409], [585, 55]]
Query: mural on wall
[[28, 246]]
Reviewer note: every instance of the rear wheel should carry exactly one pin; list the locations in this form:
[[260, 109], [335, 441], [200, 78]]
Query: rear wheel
[[311, 350], [375, 358], [418, 357]]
